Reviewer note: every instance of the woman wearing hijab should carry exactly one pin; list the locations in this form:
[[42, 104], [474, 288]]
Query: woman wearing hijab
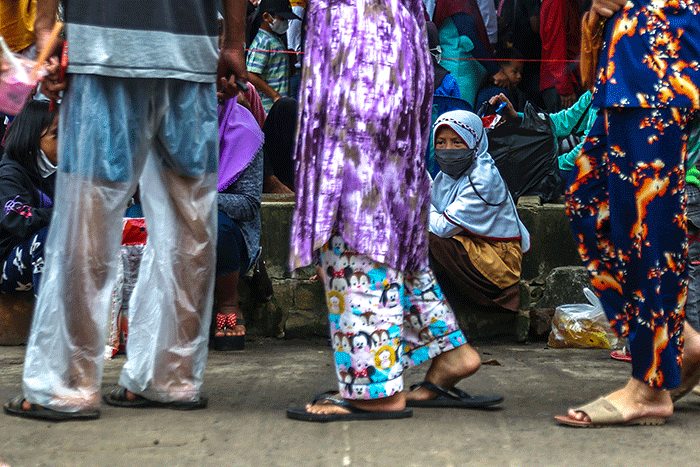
[[240, 192], [476, 237]]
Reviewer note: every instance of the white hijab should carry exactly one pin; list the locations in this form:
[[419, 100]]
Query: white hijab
[[479, 201]]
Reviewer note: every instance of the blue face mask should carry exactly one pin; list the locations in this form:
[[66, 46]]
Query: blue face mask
[[454, 162]]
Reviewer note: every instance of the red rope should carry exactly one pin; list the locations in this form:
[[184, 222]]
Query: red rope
[[445, 58]]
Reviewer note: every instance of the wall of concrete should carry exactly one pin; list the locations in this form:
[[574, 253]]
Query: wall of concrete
[[552, 275], [300, 304]]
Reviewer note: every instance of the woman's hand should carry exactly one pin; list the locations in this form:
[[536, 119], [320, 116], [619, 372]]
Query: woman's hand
[[607, 8]]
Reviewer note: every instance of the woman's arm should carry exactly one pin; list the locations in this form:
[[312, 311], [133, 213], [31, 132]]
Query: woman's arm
[[18, 217], [563, 122], [440, 226], [241, 201]]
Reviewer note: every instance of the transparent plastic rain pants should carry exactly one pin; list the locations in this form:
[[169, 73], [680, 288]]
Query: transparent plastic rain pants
[[113, 134]]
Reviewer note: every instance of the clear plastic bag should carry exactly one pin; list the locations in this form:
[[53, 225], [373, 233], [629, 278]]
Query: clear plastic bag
[[18, 79], [583, 326]]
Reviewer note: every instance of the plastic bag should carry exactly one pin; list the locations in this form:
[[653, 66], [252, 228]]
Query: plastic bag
[[525, 152], [582, 326], [18, 78]]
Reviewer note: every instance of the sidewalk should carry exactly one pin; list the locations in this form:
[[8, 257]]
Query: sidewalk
[[245, 424]]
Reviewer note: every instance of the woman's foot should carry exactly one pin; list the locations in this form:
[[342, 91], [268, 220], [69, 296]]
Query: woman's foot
[[635, 400], [394, 403], [234, 320], [447, 369]]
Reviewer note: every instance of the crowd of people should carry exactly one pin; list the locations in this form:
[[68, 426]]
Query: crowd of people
[[397, 199]]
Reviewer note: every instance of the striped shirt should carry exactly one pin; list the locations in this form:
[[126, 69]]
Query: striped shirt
[[270, 66], [143, 38]]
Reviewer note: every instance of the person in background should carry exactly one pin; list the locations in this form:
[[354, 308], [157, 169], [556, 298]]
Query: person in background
[[445, 86], [238, 243], [27, 179], [477, 240], [295, 43], [17, 25], [463, 37], [280, 132], [560, 32], [267, 62], [506, 81], [577, 119]]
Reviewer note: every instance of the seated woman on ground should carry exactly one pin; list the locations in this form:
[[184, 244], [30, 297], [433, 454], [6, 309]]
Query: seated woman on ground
[[476, 237], [27, 180], [240, 191]]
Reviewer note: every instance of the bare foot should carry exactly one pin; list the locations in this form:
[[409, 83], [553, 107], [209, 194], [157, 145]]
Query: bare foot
[[238, 329], [635, 400], [396, 402], [447, 369]]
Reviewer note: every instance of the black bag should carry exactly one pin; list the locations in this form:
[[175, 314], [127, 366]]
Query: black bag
[[525, 152]]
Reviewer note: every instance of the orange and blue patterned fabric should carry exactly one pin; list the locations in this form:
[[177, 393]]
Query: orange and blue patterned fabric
[[626, 203], [650, 57], [626, 199]]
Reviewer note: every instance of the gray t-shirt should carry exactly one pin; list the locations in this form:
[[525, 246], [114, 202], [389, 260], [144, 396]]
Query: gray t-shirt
[[143, 38]]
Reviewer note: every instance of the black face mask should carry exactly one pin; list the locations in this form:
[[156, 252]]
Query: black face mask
[[454, 162]]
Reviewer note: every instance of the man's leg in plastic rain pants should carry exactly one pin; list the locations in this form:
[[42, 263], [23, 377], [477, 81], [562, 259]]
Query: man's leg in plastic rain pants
[[97, 172], [171, 306]]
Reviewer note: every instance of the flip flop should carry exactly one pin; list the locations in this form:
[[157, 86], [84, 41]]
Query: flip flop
[[227, 343], [603, 413], [686, 386], [14, 407], [453, 398], [621, 355], [356, 413], [117, 398]]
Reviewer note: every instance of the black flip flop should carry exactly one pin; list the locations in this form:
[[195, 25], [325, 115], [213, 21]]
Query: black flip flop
[[227, 343], [453, 398], [14, 407], [117, 398], [356, 413]]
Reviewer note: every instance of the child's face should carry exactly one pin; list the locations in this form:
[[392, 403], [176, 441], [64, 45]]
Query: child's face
[[447, 138], [49, 141], [513, 72]]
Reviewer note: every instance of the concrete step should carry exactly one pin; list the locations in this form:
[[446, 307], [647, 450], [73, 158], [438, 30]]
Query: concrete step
[[551, 275]]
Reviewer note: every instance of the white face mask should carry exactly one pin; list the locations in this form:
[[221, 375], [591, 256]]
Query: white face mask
[[279, 26], [45, 166]]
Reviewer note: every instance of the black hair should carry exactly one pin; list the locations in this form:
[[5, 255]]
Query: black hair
[[22, 142], [507, 55]]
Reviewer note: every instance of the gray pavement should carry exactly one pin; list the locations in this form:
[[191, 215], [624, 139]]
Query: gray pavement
[[245, 424]]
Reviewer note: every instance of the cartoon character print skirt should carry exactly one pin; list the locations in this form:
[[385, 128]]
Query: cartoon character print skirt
[[382, 321]]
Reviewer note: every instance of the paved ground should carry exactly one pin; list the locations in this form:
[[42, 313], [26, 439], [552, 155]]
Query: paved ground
[[245, 423]]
